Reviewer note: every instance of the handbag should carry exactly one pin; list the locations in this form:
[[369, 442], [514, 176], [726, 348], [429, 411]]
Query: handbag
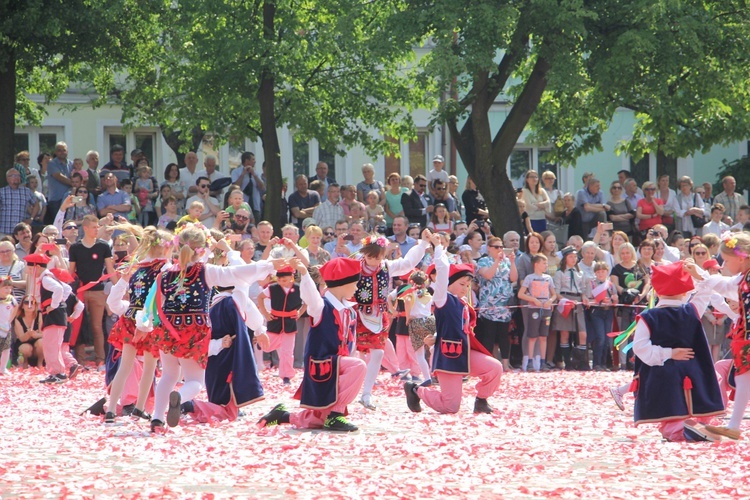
[[698, 221], [559, 206]]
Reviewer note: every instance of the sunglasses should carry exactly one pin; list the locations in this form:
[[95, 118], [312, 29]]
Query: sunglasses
[[83, 191], [499, 247], [329, 234], [700, 253], [204, 185], [616, 187], [68, 228], [29, 303], [241, 217], [650, 189]]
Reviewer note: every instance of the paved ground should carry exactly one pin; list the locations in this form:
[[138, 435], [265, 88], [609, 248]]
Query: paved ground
[[553, 435]]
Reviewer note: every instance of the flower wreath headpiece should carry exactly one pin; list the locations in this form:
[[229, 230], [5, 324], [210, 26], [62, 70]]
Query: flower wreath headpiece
[[730, 241], [380, 241]]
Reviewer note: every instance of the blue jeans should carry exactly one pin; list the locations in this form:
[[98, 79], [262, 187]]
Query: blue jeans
[[601, 324]]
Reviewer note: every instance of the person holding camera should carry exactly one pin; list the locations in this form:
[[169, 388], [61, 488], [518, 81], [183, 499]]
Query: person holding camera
[[649, 210], [76, 206]]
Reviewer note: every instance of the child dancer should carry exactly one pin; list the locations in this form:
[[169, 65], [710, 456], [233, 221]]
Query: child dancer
[[182, 294], [332, 378], [735, 250], [538, 291], [231, 376], [147, 262], [674, 374], [399, 329], [8, 309], [53, 295], [372, 289], [458, 352], [421, 322], [280, 303]]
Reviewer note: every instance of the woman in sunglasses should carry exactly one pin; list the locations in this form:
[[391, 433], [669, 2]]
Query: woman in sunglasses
[[28, 329], [649, 209]]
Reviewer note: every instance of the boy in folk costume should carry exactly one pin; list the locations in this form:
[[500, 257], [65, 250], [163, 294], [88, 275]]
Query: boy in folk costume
[[53, 295], [231, 375], [280, 303], [457, 352], [332, 377], [674, 373]]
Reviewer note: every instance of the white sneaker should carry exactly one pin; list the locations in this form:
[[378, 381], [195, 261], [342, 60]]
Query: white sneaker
[[617, 397]]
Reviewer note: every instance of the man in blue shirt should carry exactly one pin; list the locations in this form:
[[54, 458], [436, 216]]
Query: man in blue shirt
[[112, 200], [590, 202], [58, 180], [404, 241]]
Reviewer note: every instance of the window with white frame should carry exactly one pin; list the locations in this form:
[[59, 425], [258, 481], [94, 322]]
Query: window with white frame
[[37, 140]]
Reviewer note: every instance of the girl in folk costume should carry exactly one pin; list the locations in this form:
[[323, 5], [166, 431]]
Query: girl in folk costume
[[151, 256], [568, 316], [281, 304], [332, 377], [399, 329], [231, 375], [181, 302], [735, 250], [53, 294], [421, 322], [370, 297], [675, 379], [457, 352], [8, 309]]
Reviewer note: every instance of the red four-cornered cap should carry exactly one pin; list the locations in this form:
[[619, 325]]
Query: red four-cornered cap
[[671, 279], [340, 271], [458, 271], [285, 271], [37, 259]]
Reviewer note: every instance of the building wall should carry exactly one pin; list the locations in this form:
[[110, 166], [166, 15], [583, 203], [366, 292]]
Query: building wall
[[84, 129]]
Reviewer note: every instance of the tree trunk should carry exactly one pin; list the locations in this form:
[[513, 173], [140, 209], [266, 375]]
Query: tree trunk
[[7, 112], [175, 143], [271, 150]]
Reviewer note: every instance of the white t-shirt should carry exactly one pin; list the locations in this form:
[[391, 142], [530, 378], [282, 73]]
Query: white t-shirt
[[209, 222], [435, 175], [189, 179]]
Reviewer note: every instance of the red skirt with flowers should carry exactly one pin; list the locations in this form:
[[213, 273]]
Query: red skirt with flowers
[[124, 332], [740, 349], [192, 342], [367, 340], [741, 336]]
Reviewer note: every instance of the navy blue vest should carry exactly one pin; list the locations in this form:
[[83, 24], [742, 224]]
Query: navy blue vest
[[284, 303], [678, 389], [452, 345], [325, 343], [232, 371]]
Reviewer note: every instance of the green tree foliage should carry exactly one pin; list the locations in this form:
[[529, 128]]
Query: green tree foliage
[[323, 68], [564, 67], [47, 44]]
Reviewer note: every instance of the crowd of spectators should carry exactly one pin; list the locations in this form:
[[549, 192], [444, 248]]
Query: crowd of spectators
[[573, 245]]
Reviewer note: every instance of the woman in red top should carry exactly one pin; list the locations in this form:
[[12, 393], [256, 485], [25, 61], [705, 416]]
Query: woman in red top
[[649, 209]]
